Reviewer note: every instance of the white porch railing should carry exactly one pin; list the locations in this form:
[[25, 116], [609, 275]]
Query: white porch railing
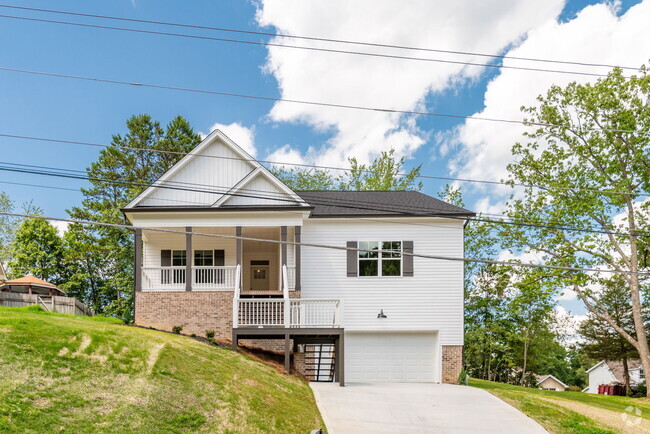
[[173, 278], [213, 277], [291, 277], [285, 312], [163, 278]]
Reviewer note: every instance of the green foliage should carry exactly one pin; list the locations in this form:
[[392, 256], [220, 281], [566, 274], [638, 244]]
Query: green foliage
[[9, 224], [209, 334], [588, 139], [100, 259], [463, 378], [177, 329], [305, 179], [37, 249], [384, 173]]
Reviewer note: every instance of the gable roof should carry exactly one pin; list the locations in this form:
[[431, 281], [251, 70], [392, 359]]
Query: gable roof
[[30, 280], [379, 203], [615, 367], [278, 192], [542, 378]]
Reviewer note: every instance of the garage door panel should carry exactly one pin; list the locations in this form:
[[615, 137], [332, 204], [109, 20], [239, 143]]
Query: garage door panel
[[397, 357]]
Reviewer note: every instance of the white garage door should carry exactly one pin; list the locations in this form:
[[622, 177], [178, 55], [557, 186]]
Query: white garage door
[[396, 357]]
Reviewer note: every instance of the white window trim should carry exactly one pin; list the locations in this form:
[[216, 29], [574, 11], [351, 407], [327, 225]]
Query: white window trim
[[379, 259]]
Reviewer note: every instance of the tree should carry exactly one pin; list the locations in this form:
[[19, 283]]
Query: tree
[[305, 179], [9, 224], [590, 153], [383, 174], [120, 173], [602, 341], [37, 250]]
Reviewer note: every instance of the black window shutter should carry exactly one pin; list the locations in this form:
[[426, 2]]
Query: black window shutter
[[407, 270], [353, 256], [166, 258], [219, 258]]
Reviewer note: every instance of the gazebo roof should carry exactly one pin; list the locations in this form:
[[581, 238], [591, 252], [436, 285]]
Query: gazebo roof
[[31, 280]]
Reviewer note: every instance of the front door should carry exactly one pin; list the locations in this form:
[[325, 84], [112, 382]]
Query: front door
[[259, 275]]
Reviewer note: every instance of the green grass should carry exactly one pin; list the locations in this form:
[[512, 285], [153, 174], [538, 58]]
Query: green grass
[[556, 418], [78, 374]]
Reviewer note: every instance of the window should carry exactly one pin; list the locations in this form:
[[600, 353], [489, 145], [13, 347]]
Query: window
[[179, 258], [375, 263], [203, 258]]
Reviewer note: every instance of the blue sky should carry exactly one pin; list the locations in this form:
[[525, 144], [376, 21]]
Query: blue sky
[[92, 112]]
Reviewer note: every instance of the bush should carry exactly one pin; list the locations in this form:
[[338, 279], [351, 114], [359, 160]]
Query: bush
[[177, 329], [209, 334], [193, 335], [463, 378]]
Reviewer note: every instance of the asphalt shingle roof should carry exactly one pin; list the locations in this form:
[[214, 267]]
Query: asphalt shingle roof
[[373, 203]]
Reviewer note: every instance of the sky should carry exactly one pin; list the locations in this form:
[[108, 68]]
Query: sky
[[610, 32]]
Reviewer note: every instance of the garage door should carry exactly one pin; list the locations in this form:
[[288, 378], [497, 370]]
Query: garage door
[[396, 357]]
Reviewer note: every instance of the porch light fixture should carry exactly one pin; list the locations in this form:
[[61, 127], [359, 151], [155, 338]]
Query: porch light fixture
[[381, 315]]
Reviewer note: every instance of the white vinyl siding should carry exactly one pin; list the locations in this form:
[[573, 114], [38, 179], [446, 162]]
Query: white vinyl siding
[[430, 300], [262, 187], [218, 174]]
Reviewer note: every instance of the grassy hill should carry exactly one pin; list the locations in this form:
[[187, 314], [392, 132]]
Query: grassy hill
[[77, 374], [574, 412]]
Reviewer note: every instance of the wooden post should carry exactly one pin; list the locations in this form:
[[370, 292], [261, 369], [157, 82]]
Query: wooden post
[[234, 340], [283, 245], [189, 258], [137, 260], [29, 289], [297, 237], [340, 358], [287, 353]]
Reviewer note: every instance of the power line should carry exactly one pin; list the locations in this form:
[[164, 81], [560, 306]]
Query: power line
[[323, 246], [311, 38], [356, 204], [297, 101], [325, 50], [322, 167]]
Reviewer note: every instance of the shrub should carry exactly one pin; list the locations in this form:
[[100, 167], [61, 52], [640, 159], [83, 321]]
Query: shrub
[[193, 335], [177, 329], [209, 334], [463, 378]]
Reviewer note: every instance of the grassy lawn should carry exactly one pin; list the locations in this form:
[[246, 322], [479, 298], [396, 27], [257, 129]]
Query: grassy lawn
[[78, 374], [557, 418]]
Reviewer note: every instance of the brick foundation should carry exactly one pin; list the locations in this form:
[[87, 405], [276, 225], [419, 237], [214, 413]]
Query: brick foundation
[[196, 311], [298, 363], [452, 363]]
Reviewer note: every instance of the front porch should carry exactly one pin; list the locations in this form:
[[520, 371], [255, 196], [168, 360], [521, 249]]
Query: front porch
[[207, 259]]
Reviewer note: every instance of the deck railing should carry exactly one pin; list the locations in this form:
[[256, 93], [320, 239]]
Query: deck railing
[[173, 278], [285, 312]]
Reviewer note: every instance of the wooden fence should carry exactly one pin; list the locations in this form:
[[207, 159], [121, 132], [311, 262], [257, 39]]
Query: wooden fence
[[69, 305]]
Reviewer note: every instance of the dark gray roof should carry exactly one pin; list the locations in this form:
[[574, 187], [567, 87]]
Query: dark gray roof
[[374, 203]]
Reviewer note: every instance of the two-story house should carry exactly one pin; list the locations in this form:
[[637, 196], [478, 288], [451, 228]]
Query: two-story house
[[352, 285]]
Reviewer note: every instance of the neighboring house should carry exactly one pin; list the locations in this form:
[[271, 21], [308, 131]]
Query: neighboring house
[[236, 251], [31, 285], [549, 382], [610, 372]]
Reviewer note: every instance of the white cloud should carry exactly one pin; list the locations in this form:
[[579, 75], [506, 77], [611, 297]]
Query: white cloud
[[486, 26], [238, 133], [567, 294], [61, 227], [286, 154], [596, 34]]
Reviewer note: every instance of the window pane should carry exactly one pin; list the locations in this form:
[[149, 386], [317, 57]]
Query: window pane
[[368, 267], [178, 258], [391, 267], [394, 247], [203, 258], [368, 245]]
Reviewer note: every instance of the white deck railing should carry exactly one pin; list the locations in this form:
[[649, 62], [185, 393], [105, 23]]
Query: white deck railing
[[173, 278], [285, 312], [291, 277]]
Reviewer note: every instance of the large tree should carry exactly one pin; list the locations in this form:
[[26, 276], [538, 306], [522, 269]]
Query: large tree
[[121, 172], [37, 250], [586, 166]]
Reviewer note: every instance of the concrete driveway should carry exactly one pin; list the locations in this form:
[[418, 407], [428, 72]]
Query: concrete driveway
[[417, 407]]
